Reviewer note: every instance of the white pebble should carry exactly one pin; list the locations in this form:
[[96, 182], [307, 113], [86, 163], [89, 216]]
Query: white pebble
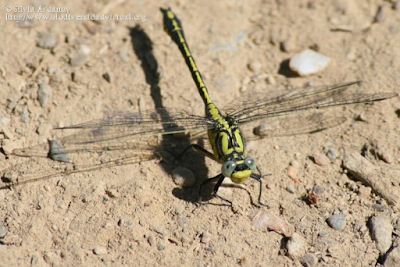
[[99, 250], [296, 246], [308, 62]]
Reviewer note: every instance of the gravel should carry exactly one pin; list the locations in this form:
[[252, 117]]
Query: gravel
[[337, 221]]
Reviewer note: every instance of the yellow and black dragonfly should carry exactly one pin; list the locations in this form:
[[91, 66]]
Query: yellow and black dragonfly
[[122, 131]]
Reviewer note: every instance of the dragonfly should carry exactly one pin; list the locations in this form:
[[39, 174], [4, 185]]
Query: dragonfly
[[131, 132]]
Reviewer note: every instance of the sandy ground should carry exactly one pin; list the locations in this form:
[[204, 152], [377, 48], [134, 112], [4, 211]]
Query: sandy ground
[[135, 214]]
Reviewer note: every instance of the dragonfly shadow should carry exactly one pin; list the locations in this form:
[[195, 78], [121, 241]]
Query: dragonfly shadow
[[143, 48]]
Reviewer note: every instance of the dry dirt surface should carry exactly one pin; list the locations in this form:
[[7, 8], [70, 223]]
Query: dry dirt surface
[[68, 70]]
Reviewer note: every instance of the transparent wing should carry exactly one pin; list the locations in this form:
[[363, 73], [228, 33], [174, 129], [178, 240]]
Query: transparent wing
[[121, 124], [258, 107], [70, 157]]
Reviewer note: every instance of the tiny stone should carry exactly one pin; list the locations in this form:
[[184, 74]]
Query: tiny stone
[[310, 260], [294, 163], [124, 56], [45, 94], [308, 62], [296, 246], [78, 59], [161, 246], [292, 172], [322, 234], [7, 133], [99, 250], [206, 237], [254, 66], [332, 154], [337, 221], [44, 129], [108, 77], [288, 46], [8, 146], [152, 240], [47, 40], [290, 188], [320, 159], [78, 77], [364, 191], [318, 190], [183, 177], [271, 80], [381, 231], [3, 230], [351, 54], [25, 115]]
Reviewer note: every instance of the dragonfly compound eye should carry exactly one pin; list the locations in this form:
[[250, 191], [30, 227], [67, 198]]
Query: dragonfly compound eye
[[228, 168], [250, 162]]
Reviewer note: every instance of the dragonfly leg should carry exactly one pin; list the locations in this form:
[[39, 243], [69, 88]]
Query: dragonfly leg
[[258, 178], [220, 179], [198, 149]]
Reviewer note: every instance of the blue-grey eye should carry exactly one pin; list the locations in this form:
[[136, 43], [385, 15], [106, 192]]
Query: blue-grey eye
[[228, 167], [249, 161]]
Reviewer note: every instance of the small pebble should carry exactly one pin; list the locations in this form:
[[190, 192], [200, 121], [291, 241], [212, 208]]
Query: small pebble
[[124, 56], [290, 188], [364, 191], [320, 159], [3, 230], [161, 246], [351, 54], [308, 62], [296, 246], [25, 115], [255, 66], [57, 152], [292, 172], [79, 77], [8, 146], [151, 240], [108, 77], [44, 129], [183, 177], [206, 237], [7, 133], [99, 250], [288, 46], [381, 231], [332, 154], [310, 260], [271, 80], [47, 40], [318, 190], [294, 163], [45, 94], [337, 221]]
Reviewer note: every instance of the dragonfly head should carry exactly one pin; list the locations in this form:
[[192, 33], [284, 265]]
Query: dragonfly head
[[239, 171]]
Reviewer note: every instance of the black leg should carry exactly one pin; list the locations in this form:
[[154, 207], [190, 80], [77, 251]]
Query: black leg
[[198, 149], [218, 177], [257, 178]]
